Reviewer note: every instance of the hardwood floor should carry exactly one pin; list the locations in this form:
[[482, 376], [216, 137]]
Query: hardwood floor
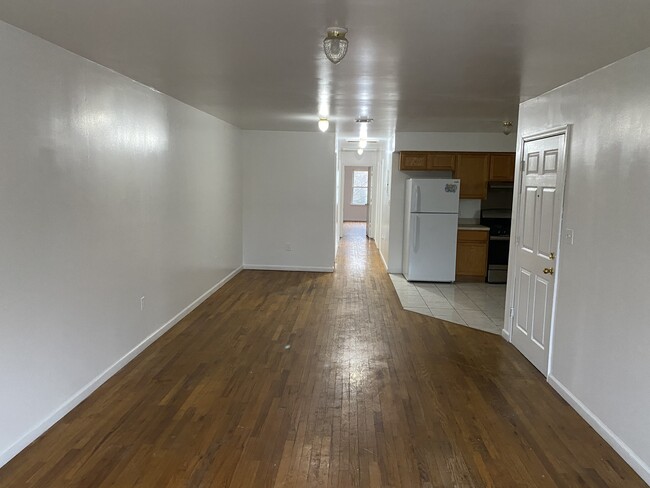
[[307, 379]]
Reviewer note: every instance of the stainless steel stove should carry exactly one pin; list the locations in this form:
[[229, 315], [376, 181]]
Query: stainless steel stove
[[498, 220]]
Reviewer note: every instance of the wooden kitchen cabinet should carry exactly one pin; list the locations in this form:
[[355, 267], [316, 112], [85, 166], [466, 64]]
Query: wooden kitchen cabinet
[[441, 161], [472, 170], [413, 161], [502, 167], [471, 255]]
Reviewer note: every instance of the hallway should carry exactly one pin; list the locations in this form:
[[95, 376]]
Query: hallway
[[321, 379]]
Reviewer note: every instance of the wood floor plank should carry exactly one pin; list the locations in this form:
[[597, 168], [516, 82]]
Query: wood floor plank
[[287, 379]]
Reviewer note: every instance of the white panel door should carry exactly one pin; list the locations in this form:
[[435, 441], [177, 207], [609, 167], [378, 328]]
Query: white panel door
[[538, 229]]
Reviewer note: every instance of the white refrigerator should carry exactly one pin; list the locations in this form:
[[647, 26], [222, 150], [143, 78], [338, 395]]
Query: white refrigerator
[[430, 230]]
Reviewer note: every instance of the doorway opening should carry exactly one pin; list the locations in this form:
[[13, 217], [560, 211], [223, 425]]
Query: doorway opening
[[356, 196]]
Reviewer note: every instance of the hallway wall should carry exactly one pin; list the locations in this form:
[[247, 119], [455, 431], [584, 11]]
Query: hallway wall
[[289, 200], [600, 343], [110, 191]]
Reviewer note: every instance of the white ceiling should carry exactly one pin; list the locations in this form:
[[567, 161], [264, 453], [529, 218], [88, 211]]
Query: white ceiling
[[413, 65]]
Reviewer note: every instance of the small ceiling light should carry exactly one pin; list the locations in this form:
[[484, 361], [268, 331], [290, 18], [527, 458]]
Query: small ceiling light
[[335, 44], [323, 124], [363, 143], [507, 127], [360, 152]]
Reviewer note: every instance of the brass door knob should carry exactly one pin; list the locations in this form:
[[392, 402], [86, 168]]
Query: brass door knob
[[549, 271]]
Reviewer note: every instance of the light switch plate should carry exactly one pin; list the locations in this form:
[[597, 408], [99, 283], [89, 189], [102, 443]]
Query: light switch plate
[[568, 236]]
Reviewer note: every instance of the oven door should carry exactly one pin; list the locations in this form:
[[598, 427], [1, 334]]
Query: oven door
[[498, 249]]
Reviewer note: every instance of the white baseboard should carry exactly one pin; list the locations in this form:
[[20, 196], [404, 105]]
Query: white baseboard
[[273, 267], [505, 334], [382, 259], [605, 432], [95, 383]]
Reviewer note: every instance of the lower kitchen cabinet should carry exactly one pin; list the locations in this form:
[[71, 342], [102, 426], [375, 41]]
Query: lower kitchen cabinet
[[471, 255]]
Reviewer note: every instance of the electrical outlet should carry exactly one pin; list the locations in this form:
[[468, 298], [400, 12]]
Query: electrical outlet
[[141, 304], [568, 236], [288, 247]]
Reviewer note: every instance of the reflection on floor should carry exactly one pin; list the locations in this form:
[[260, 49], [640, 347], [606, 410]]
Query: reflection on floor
[[476, 305]]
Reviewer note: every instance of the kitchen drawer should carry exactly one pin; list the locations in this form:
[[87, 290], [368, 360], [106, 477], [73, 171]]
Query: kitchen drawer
[[473, 235]]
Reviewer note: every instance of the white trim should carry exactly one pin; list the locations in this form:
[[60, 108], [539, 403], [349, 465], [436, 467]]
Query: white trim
[[555, 131], [605, 432], [279, 267], [382, 257], [39, 429], [506, 335]]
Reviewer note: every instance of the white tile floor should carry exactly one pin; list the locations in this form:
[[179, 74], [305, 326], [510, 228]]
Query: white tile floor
[[476, 305]]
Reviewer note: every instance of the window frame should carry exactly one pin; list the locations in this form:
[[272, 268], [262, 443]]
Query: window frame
[[367, 187]]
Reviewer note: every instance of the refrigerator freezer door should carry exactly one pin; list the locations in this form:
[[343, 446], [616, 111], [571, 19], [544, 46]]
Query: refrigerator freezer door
[[431, 252], [434, 195]]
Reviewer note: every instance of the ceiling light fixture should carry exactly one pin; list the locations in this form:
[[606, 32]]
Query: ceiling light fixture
[[323, 124], [360, 152], [335, 44], [507, 127], [363, 143]]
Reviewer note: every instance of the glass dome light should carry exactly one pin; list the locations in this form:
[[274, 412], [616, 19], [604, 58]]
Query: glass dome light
[[335, 44], [323, 124]]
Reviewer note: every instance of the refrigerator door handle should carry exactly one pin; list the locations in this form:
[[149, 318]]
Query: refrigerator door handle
[[416, 243], [417, 198]]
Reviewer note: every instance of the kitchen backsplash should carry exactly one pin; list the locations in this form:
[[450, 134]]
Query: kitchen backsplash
[[469, 209]]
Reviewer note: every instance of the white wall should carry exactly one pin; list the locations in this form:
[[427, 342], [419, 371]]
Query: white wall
[[109, 191], [429, 141], [289, 199], [353, 213], [455, 141], [601, 343], [469, 209], [384, 187]]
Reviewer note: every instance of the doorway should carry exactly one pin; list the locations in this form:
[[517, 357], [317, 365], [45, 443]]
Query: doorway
[[538, 207], [356, 195]]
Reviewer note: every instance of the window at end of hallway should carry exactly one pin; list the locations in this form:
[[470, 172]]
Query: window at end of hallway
[[359, 188]]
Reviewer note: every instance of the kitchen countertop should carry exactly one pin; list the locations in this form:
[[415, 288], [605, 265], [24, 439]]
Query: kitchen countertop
[[473, 227]]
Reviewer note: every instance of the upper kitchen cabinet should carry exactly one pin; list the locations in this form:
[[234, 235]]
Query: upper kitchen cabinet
[[502, 167], [472, 170], [441, 161], [413, 161]]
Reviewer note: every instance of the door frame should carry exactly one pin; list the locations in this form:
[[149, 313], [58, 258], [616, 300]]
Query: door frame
[[373, 217], [512, 255]]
